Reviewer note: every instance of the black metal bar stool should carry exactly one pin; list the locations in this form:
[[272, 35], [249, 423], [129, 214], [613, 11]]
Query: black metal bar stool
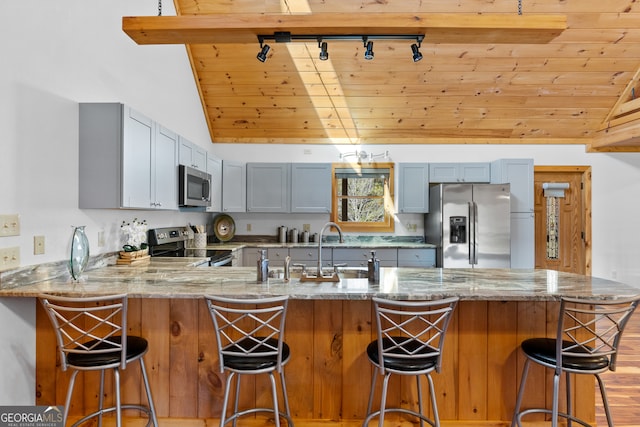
[[410, 338], [587, 342], [91, 333], [250, 340]]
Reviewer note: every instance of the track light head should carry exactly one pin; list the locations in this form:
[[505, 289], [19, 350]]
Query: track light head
[[324, 54], [368, 53], [417, 56], [262, 55]]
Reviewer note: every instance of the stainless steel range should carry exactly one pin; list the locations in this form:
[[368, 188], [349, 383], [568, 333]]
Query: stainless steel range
[[172, 242]]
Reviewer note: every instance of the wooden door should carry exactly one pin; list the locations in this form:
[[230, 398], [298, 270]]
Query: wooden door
[[572, 216]]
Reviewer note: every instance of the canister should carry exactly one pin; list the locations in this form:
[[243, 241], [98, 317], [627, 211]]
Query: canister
[[282, 234], [294, 235], [305, 237]]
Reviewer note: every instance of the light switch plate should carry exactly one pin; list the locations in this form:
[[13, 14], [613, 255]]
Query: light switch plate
[[9, 225], [38, 245], [9, 258]]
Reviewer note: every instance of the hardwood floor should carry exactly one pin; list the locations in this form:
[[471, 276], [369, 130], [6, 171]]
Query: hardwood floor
[[623, 385]]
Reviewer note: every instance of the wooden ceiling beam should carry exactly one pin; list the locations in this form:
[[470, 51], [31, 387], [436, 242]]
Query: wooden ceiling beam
[[437, 27]]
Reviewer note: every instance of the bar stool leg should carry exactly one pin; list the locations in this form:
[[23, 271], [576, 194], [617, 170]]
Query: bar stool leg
[[237, 398], [274, 394], [569, 404], [374, 377], [284, 397], [383, 399], [116, 375], [152, 408], [523, 381], [434, 404], [225, 399], [101, 398], [419, 387], [605, 401], [67, 402]]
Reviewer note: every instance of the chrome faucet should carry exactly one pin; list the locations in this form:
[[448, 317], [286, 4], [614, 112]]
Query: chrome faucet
[[328, 224]]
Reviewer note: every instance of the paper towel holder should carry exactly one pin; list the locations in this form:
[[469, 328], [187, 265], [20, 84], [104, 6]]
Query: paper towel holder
[[554, 189]]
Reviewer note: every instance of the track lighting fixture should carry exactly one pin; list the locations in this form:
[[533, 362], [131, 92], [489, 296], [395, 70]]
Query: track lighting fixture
[[262, 55], [286, 37], [368, 53], [417, 56], [324, 55]]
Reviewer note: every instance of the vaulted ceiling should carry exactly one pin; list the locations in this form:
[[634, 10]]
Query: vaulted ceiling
[[486, 77]]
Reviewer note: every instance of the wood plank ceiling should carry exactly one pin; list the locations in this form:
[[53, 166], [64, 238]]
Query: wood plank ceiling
[[577, 87]]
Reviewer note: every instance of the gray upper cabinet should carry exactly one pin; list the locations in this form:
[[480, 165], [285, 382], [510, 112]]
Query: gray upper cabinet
[[413, 187], [192, 155], [479, 172], [268, 187], [519, 173], [126, 159], [234, 187], [311, 187], [214, 168]]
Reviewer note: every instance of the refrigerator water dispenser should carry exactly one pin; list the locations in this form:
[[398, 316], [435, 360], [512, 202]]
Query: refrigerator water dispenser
[[458, 229]]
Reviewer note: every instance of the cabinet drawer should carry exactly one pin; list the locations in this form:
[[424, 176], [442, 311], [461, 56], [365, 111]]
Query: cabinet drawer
[[355, 257], [309, 254], [417, 257]]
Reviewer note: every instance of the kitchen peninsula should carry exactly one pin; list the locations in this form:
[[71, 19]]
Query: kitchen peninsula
[[328, 328]]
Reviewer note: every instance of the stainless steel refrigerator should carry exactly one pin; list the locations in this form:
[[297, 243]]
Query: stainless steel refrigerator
[[470, 224]]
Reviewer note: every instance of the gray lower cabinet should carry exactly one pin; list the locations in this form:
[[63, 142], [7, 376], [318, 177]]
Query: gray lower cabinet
[[357, 257], [234, 187], [250, 256], [277, 256], [418, 258], [309, 256], [126, 159]]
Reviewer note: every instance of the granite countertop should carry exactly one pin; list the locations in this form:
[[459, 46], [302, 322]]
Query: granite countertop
[[179, 278]]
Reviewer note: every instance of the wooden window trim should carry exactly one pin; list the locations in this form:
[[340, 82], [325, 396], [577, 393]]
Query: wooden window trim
[[388, 226]]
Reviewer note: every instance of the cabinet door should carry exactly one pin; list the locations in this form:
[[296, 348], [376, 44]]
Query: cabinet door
[[136, 160], [250, 257], [478, 172], [311, 187], [475, 172], [214, 168], [192, 155], [234, 187], [523, 240], [518, 173], [354, 257], [443, 172], [268, 187], [165, 169], [419, 258], [413, 188], [277, 256]]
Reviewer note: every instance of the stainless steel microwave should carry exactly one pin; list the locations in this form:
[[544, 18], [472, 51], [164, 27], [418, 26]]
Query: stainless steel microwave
[[194, 187]]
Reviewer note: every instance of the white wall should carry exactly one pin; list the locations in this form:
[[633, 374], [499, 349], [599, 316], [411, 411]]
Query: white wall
[[56, 54]]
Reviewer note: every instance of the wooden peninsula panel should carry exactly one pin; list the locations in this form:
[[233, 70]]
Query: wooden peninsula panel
[[329, 375]]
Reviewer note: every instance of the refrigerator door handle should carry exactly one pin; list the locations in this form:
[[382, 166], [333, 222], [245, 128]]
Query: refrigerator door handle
[[473, 234]]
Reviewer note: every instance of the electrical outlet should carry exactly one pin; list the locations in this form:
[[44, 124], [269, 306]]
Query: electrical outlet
[[248, 227], [9, 258], [100, 238], [306, 227], [38, 245], [10, 225]]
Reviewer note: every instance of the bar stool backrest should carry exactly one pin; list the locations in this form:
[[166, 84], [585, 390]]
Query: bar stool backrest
[[425, 323], [590, 329], [249, 327], [89, 325]]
